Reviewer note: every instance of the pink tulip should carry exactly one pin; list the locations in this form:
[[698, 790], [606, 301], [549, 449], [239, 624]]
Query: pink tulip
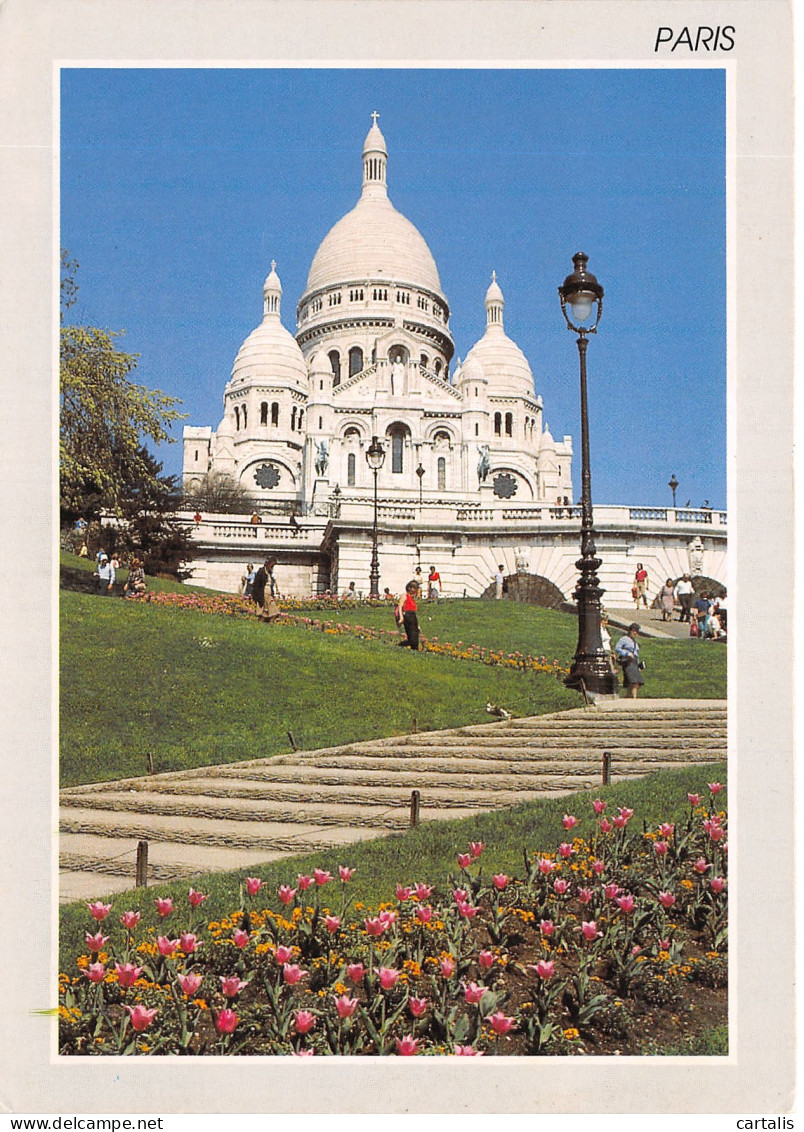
[[464, 860], [403, 893], [701, 865], [569, 821], [417, 1006], [189, 943], [667, 899], [467, 911], [283, 954], [625, 813], [610, 890], [477, 848], [95, 942], [424, 913], [660, 848], [589, 929], [345, 1006], [96, 972], [667, 830], [304, 1021], [585, 895], [485, 960], [422, 891], [599, 806], [664, 944], [332, 923], [190, 984], [196, 898], [164, 905], [717, 884], [253, 885], [407, 1046], [166, 946], [129, 920], [446, 966], [387, 917], [127, 974], [619, 822], [501, 1023], [717, 833], [545, 968], [141, 1018], [565, 850], [292, 973], [99, 911], [345, 873], [715, 787], [389, 976], [225, 1021], [375, 927], [231, 985], [605, 825], [286, 893], [560, 886], [468, 1051], [355, 972], [460, 896], [597, 867], [500, 881], [625, 903], [546, 927], [694, 799], [546, 866], [473, 993], [304, 881], [240, 938], [321, 877], [636, 949]]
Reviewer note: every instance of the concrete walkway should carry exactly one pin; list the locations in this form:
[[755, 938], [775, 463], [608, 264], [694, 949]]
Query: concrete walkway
[[242, 814]]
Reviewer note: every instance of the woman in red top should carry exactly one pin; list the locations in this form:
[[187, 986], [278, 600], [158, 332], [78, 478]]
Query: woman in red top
[[410, 621]]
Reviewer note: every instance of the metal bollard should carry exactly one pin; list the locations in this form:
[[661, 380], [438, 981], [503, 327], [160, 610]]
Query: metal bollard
[[415, 805], [606, 768], [141, 879]]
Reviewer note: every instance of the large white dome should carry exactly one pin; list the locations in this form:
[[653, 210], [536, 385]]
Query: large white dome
[[374, 240]]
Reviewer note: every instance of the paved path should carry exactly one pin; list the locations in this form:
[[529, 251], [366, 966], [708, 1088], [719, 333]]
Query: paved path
[[241, 814], [650, 621]]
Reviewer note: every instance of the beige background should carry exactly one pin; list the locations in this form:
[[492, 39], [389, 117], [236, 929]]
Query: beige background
[[34, 36]]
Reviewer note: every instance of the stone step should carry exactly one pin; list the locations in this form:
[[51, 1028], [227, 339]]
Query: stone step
[[602, 739], [526, 757], [578, 763]]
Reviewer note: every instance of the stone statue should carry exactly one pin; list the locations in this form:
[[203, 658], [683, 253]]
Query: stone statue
[[695, 550], [321, 459], [483, 464], [522, 557], [397, 375]]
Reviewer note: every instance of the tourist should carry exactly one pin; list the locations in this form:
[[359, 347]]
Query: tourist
[[407, 609], [265, 591], [641, 584], [84, 551], [684, 592], [136, 579], [605, 638], [667, 597], [247, 581], [627, 650], [720, 608], [499, 581], [433, 585], [351, 593], [701, 606], [387, 595], [106, 574]]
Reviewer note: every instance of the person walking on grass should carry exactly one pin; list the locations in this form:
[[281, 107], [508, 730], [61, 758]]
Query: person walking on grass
[[433, 585], [407, 610], [641, 585], [627, 651], [667, 595], [265, 591], [499, 581]]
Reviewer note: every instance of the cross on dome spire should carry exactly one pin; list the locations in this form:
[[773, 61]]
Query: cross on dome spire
[[374, 116]]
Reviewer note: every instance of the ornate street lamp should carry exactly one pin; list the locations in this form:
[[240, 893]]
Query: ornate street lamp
[[673, 484], [581, 304], [375, 457]]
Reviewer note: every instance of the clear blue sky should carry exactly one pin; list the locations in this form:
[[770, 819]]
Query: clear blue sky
[[178, 187]]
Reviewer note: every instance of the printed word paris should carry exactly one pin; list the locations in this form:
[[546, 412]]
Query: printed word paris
[[701, 38]]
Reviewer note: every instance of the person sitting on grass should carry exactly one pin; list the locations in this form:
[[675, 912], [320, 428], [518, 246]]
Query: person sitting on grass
[[407, 610], [136, 579]]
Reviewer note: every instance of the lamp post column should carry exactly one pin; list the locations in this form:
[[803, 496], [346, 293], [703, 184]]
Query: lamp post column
[[374, 570]]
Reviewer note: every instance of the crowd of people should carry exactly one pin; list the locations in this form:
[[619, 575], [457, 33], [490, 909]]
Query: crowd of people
[[106, 570], [706, 614]]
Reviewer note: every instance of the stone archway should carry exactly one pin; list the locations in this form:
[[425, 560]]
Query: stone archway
[[533, 589]]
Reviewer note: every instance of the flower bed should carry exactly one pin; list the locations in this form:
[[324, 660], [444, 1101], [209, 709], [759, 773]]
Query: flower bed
[[616, 943]]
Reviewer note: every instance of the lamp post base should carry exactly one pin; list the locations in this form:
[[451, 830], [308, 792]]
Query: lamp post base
[[594, 677]]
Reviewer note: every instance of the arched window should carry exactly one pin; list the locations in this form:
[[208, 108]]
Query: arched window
[[275, 413], [477, 429], [335, 363], [442, 473], [497, 424], [509, 424], [355, 360], [351, 433], [425, 361], [351, 464], [438, 367], [293, 418], [398, 433], [301, 419], [245, 416], [264, 413], [237, 417]]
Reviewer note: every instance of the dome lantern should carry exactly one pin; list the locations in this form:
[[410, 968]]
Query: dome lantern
[[272, 293], [494, 304], [375, 161]]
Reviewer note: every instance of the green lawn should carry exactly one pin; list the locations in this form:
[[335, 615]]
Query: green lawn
[[426, 853]]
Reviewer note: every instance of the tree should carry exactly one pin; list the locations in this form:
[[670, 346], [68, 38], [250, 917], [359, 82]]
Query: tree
[[104, 416], [150, 527], [220, 494]]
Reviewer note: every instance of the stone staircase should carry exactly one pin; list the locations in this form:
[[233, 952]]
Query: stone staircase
[[241, 814]]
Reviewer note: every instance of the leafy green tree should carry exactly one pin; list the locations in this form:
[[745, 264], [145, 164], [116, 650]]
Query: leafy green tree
[[220, 494]]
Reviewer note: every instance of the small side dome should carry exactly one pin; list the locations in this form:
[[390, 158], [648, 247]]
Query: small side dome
[[271, 352], [501, 360]]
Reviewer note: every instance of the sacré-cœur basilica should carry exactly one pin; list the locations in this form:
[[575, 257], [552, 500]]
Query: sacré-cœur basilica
[[472, 476]]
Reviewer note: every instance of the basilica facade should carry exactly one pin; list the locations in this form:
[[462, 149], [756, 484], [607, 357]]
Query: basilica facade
[[373, 355]]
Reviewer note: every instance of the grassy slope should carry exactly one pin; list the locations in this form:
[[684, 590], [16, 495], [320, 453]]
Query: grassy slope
[[426, 853], [137, 678]]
